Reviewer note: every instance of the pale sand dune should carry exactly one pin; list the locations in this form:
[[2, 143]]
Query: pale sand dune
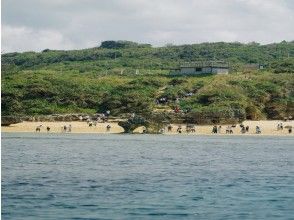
[[267, 128]]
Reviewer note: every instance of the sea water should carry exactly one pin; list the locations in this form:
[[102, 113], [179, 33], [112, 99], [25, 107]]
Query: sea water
[[51, 176]]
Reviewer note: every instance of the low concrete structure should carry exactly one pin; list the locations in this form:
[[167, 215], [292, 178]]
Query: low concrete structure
[[202, 67]]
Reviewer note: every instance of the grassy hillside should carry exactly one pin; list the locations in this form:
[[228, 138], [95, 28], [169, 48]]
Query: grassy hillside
[[102, 78]]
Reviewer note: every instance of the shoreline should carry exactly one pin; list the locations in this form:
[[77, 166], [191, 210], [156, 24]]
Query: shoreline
[[268, 128]]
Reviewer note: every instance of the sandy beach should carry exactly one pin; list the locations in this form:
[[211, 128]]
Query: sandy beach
[[267, 128]]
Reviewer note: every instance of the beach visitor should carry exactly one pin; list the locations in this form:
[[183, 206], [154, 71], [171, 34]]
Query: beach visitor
[[280, 126], [243, 130], [48, 129], [108, 128], [219, 129], [247, 128], [90, 124], [179, 130], [214, 129], [38, 128], [64, 128], [144, 130], [231, 129], [258, 130], [228, 130], [169, 128], [290, 130], [69, 128], [188, 128], [193, 129]]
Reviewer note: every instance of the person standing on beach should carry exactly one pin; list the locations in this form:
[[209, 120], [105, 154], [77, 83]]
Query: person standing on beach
[[243, 130], [228, 130], [38, 128], [219, 129], [69, 128], [214, 129], [48, 128], [108, 128], [179, 130], [144, 130], [258, 130]]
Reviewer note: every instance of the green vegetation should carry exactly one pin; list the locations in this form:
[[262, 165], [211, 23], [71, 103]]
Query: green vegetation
[[126, 77]]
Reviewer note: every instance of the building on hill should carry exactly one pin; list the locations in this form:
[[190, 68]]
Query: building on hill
[[202, 67]]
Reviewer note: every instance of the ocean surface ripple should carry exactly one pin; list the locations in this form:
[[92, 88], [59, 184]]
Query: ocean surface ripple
[[55, 176]]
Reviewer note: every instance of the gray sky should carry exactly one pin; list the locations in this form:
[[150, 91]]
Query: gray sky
[[74, 24]]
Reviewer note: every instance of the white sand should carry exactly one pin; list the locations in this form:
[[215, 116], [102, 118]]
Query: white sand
[[267, 128]]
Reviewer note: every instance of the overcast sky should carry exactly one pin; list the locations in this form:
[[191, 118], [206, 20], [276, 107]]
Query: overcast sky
[[73, 24]]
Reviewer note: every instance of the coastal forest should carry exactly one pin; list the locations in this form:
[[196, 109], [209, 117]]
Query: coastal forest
[[127, 77]]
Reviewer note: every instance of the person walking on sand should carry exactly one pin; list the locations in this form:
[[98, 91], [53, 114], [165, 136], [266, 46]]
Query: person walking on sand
[[48, 128], [247, 128], [64, 128], [257, 130], [38, 128], [108, 128]]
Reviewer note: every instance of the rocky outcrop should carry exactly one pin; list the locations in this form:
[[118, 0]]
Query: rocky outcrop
[[8, 120], [132, 123]]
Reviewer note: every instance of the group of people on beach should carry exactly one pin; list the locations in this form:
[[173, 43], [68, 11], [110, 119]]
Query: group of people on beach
[[280, 127], [38, 128], [189, 128], [100, 119], [66, 128], [215, 129]]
